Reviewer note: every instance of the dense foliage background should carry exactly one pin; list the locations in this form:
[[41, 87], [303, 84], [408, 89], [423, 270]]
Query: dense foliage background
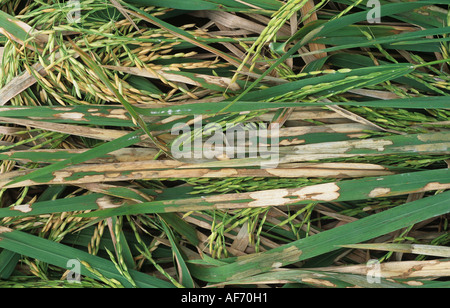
[[90, 92]]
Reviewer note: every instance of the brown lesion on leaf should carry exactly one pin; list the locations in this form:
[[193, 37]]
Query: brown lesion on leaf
[[288, 255], [60, 176], [269, 198], [374, 144], [225, 197], [112, 175], [435, 186], [431, 147], [432, 137], [223, 82], [4, 230], [410, 271], [78, 116], [318, 282], [24, 208], [277, 264], [107, 202], [68, 109], [118, 113], [292, 141], [321, 192], [291, 254], [379, 192], [221, 173], [414, 283]]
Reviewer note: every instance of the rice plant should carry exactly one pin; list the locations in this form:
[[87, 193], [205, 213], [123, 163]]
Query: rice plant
[[211, 143]]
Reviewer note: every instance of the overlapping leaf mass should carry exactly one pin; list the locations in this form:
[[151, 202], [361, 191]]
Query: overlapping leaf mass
[[88, 176]]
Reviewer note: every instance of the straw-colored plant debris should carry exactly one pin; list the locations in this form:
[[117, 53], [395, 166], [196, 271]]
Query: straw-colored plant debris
[[116, 169]]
